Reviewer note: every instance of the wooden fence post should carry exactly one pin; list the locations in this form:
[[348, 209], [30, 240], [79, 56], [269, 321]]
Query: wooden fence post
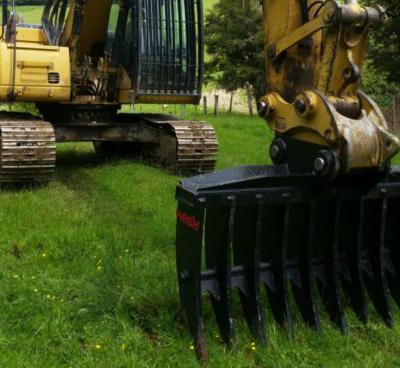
[[216, 97], [249, 99], [231, 103], [205, 105]]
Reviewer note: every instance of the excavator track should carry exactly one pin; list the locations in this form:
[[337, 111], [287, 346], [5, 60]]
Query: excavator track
[[195, 146], [182, 146], [27, 149]]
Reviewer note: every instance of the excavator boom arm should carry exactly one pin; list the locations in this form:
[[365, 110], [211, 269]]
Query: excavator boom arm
[[315, 54]]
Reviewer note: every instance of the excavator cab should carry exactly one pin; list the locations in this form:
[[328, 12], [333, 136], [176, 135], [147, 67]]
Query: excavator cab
[[159, 44]]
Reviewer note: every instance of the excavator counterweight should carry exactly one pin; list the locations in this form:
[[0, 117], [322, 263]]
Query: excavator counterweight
[[319, 227]]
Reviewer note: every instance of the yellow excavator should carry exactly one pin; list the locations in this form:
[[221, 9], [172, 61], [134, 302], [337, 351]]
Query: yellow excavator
[[318, 228], [82, 64]]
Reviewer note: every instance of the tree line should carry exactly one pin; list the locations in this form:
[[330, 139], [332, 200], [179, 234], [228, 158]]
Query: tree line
[[235, 44]]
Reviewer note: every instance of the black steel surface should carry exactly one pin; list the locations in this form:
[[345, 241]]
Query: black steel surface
[[258, 228]]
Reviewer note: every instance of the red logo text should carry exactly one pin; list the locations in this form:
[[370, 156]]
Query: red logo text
[[188, 220]]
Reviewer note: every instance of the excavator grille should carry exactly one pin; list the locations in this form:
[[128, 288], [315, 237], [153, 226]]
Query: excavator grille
[[260, 230], [168, 44]]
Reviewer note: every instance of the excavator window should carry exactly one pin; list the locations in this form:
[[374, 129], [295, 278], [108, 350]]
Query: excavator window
[[127, 56], [4, 12], [53, 19], [112, 22]]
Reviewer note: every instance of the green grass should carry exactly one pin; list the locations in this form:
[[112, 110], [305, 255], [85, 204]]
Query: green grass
[[32, 14], [208, 4], [87, 270], [97, 263]]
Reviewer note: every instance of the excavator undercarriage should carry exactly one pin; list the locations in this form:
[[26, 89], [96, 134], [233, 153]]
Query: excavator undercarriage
[[28, 143], [182, 146], [319, 228]]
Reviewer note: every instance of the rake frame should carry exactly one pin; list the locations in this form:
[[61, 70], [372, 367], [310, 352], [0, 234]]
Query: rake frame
[[258, 227]]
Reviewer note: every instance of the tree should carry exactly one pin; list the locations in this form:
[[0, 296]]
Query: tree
[[385, 43], [235, 42]]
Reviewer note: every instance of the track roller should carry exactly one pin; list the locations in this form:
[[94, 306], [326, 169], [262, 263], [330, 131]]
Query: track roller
[[259, 229]]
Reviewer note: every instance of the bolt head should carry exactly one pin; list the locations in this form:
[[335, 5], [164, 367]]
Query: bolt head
[[319, 164], [262, 108], [271, 51], [300, 106], [275, 151], [184, 275], [328, 16]]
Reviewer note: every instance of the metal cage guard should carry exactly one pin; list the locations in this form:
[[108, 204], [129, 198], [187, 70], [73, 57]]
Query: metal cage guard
[[168, 47]]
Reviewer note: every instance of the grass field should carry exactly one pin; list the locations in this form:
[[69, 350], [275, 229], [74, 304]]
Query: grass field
[[87, 273]]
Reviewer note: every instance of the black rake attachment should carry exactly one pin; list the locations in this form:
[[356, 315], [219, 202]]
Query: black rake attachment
[[257, 228]]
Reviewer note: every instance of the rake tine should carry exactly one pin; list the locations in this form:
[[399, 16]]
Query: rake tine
[[374, 240], [392, 249], [350, 246], [277, 218], [188, 255], [304, 242], [246, 250], [219, 232], [330, 290]]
